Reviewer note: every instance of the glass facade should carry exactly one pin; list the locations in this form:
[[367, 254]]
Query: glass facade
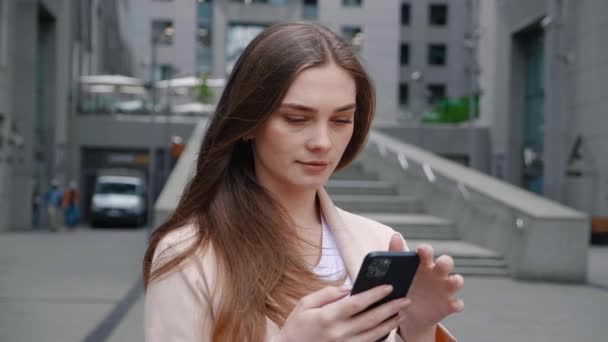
[[309, 9], [204, 30], [239, 35]]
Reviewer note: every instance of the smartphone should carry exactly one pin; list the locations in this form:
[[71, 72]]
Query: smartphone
[[387, 268]]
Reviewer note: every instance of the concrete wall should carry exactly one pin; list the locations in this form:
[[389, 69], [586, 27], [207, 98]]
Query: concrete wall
[[380, 22], [23, 91], [449, 141], [37, 97], [575, 98], [182, 53], [418, 35], [7, 75], [587, 114]]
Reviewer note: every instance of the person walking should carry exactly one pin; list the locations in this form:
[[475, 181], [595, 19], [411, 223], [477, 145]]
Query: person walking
[[53, 205], [69, 203]]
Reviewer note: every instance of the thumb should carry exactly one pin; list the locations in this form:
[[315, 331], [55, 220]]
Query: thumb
[[396, 244], [325, 296]]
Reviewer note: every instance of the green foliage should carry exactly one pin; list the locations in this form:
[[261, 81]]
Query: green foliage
[[451, 111], [205, 93]]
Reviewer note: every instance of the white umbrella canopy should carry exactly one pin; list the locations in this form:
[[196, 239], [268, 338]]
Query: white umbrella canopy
[[193, 108]]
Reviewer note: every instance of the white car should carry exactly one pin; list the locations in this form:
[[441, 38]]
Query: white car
[[118, 200]]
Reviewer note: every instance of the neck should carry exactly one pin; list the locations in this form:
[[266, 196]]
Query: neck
[[301, 206]]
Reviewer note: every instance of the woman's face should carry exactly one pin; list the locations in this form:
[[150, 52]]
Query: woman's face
[[302, 142]]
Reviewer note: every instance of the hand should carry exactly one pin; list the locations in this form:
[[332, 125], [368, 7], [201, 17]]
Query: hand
[[325, 315], [431, 292]]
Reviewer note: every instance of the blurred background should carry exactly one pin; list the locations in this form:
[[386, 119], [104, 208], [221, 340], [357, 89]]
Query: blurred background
[[489, 141]]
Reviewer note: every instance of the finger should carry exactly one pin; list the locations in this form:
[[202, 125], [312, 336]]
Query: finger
[[396, 244], [455, 282], [376, 316], [425, 251], [444, 265], [359, 302], [379, 331], [324, 296], [456, 305]]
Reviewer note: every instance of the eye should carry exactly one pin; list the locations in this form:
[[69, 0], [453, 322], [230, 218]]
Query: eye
[[343, 121], [295, 119]]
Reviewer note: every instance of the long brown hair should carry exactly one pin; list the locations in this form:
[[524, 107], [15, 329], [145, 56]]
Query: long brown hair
[[262, 275]]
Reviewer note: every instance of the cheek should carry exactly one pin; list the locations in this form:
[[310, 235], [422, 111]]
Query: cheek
[[273, 142]]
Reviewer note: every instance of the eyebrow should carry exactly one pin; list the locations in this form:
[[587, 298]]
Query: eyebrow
[[312, 110]]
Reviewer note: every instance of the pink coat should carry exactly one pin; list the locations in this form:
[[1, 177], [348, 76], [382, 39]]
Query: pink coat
[[177, 305]]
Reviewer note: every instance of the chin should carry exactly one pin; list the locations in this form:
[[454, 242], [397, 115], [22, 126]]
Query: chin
[[310, 183]]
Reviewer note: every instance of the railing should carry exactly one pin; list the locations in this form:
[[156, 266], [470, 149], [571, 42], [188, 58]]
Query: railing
[[181, 175], [540, 239]]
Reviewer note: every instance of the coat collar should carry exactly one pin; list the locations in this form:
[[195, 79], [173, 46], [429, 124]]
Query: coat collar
[[351, 246]]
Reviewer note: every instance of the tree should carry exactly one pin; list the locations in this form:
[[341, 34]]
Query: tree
[[205, 93]]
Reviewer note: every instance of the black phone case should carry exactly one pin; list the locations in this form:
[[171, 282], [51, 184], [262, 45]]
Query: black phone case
[[400, 275]]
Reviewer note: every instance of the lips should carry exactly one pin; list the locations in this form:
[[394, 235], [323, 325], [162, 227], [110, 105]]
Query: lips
[[314, 167], [314, 163]]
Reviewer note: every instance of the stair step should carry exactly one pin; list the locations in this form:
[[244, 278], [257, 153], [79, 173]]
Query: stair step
[[416, 226], [354, 174], [479, 262], [482, 272], [360, 187], [377, 203], [457, 249], [391, 219], [469, 259]]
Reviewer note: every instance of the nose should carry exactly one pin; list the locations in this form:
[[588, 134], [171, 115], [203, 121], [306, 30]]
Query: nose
[[320, 139]]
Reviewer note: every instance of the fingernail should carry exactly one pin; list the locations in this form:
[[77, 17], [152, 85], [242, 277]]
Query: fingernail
[[387, 288], [405, 302]]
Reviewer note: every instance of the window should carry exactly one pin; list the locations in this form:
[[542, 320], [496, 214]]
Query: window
[[162, 32], [238, 36], [352, 3], [309, 9], [437, 54], [405, 14], [438, 14], [354, 36], [436, 92], [204, 10], [2, 29], [165, 72], [203, 36], [405, 54], [404, 94]]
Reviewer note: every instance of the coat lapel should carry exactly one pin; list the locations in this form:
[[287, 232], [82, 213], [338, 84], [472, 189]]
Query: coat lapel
[[351, 246]]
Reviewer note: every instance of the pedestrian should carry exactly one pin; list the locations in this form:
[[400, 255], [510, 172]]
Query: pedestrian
[[244, 255], [36, 207], [53, 205], [70, 205], [176, 149]]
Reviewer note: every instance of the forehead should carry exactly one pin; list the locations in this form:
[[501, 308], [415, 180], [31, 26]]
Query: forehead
[[327, 85]]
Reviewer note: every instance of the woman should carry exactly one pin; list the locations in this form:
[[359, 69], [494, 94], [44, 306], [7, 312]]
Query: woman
[[255, 249]]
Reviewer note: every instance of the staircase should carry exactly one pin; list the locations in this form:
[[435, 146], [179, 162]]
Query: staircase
[[361, 192]]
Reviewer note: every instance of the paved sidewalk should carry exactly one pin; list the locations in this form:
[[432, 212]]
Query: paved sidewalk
[[67, 287], [61, 287]]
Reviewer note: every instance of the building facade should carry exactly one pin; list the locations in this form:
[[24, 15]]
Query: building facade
[[395, 39], [544, 64], [44, 47]]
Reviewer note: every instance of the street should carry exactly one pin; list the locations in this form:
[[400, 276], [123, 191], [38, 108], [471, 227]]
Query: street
[[85, 285]]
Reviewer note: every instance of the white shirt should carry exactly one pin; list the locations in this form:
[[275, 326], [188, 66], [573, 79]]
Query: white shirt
[[331, 265]]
